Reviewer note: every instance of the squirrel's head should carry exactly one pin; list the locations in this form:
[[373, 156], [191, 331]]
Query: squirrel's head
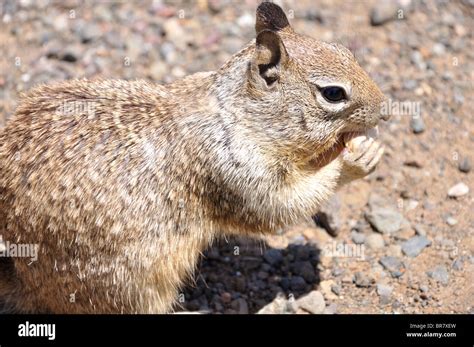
[[299, 94]]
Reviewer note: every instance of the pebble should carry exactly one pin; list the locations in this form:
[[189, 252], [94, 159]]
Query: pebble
[[326, 289], [386, 220], [226, 297], [279, 305], [357, 238], [417, 125], [458, 264], [439, 49], [396, 305], [383, 12], [328, 216], [410, 84], [458, 190], [306, 270], [415, 245], [384, 289], [404, 234], [240, 305], [347, 279], [464, 165], [337, 271], [394, 250], [313, 302], [331, 309], [375, 241], [439, 274], [273, 256], [451, 221], [336, 289], [363, 280], [393, 265], [246, 20], [420, 230], [424, 288], [297, 283]]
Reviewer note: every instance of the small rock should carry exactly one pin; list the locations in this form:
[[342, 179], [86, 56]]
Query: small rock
[[375, 241], [439, 274], [451, 221], [458, 190], [226, 297], [458, 264], [88, 32], [297, 283], [331, 309], [464, 165], [306, 270], [417, 125], [410, 84], [384, 289], [337, 271], [240, 284], [347, 279], [302, 253], [394, 265], [326, 289], [279, 305], [438, 49], [396, 305], [313, 14], [328, 216], [240, 305], [384, 300], [357, 238], [362, 280], [394, 250], [336, 289], [245, 20], [361, 226], [313, 302], [415, 245], [404, 234], [424, 288], [383, 12], [386, 220], [420, 230], [417, 59], [273, 256]]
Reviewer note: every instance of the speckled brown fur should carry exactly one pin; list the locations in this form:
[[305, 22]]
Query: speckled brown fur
[[123, 199]]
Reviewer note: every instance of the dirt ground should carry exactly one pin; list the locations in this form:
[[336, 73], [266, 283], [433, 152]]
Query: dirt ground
[[402, 244]]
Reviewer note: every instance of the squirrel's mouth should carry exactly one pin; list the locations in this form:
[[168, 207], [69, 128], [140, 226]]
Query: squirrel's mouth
[[337, 145]]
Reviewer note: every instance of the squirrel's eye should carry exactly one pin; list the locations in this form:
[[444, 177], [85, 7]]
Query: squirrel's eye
[[333, 94]]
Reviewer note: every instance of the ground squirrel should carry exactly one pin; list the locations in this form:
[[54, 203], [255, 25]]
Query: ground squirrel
[[123, 184]]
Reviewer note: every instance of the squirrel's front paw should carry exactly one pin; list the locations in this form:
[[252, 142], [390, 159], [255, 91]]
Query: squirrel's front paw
[[360, 158]]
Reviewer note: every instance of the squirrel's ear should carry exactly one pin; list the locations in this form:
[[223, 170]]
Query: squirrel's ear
[[271, 17], [270, 56]]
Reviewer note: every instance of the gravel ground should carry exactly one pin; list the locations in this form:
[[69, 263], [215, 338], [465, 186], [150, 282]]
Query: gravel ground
[[400, 240]]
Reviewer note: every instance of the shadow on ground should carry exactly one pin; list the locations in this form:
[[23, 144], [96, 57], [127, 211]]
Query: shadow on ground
[[242, 276]]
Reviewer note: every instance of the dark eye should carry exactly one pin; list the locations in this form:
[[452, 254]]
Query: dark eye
[[333, 94]]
